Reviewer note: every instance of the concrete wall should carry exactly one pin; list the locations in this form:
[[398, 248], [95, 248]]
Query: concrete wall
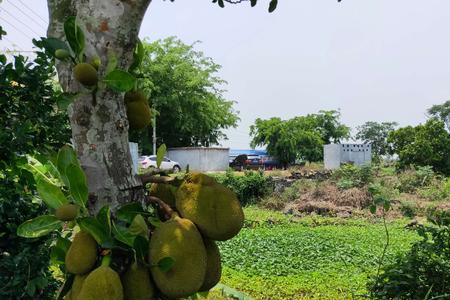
[[134, 156], [337, 154], [200, 159]]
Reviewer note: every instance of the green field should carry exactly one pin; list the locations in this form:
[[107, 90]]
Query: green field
[[309, 258]]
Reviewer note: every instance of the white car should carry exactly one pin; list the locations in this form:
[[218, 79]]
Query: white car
[[149, 161]]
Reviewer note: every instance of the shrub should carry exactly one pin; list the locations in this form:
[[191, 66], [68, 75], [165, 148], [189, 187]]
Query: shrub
[[348, 176], [438, 189], [250, 187], [414, 178], [408, 208], [424, 272]]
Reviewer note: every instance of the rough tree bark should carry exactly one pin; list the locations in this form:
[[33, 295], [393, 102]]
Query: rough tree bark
[[99, 123]]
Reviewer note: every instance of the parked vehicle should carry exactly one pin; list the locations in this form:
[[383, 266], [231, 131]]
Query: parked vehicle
[[247, 162], [149, 161], [271, 163]]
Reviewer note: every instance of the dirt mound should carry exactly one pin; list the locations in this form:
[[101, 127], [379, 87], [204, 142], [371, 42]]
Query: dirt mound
[[329, 200]]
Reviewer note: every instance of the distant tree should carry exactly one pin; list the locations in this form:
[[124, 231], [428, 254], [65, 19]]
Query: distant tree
[[301, 137], [423, 145], [376, 134], [187, 94], [441, 112]]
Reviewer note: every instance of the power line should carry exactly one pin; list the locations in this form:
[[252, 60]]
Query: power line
[[27, 15], [12, 43], [33, 11], [14, 26], [24, 24]]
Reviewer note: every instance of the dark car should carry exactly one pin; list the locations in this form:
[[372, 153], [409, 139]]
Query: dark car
[[271, 163]]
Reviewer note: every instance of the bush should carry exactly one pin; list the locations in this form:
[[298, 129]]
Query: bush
[[438, 189], [414, 178], [408, 208], [348, 176], [424, 272], [278, 201], [250, 187]]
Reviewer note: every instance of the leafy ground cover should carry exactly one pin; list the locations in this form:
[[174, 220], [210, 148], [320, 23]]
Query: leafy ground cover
[[277, 257]]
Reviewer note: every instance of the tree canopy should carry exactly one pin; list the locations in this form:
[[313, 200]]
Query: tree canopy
[[299, 138], [442, 112], [187, 94], [376, 133]]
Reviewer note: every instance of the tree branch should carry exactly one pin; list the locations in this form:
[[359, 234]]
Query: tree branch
[[165, 212]]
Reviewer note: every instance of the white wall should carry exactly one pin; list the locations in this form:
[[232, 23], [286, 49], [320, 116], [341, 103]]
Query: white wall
[[200, 159]]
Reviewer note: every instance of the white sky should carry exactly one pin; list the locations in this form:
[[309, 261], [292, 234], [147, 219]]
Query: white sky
[[378, 60]]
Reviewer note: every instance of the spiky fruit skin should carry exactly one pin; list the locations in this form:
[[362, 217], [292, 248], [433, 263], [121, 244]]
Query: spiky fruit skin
[[179, 239], [137, 284], [165, 192], [138, 111], [62, 54], [134, 96], [82, 254], [67, 212], [213, 265], [213, 207], [102, 283], [85, 74], [76, 287]]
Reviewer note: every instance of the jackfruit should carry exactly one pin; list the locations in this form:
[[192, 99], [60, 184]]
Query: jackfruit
[[179, 239], [82, 254], [76, 287], [138, 111], [62, 54], [85, 74], [137, 284], [164, 191], [213, 265], [214, 208], [102, 283], [66, 212], [96, 62]]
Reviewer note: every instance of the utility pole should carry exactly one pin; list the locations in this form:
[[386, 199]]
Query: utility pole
[[154, 131]]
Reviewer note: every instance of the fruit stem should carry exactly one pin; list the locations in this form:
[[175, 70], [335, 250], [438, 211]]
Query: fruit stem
[[106, 260], [165, 211]]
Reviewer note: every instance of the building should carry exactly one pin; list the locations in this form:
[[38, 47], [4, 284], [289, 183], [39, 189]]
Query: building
[[336, 154], [200, 158]]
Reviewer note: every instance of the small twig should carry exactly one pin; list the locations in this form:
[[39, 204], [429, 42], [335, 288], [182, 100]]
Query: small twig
[[147, 177], [380, 264], [159, 179], [165, 212]]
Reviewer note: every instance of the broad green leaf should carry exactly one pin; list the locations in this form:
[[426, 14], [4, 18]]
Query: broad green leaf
[[138, 226], [123, 235], [252, 3], [36, 168], [165, 263], [66, 156], [112, 62], [74, 35], [104, 217], [52, 44], [120, 81], [38, 226], [129, 211], [77, 184], [373, 208], [221, 3], [50, 193], [93, 226], [160, 154], [273, 5], [140, 245], [57, 255], [138, 55]]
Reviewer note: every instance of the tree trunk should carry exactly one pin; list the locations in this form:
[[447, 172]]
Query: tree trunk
[[98, 120]]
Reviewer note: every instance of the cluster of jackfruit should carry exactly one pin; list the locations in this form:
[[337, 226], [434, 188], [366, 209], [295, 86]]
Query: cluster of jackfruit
[[138, 110], [205, 211]]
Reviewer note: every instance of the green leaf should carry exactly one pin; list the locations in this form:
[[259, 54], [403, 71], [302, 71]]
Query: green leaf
[[74, 35], [112, 62], [123, 235], [138, 55], [77, 184], [140, 245], [52, 44], [166, 263], [104, 217], [50, 193], [221, 4], [160, 154], [95, 228], [273, 5], [252, 3], [129, 211], [138, 226], [120, 81], [155, 221], [373, 208], [38, 226], [66, 156]]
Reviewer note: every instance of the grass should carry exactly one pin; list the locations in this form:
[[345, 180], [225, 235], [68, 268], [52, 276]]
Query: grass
[[276, 257]]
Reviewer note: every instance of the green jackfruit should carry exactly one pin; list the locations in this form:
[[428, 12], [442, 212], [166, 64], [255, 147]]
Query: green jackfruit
[[164, 191], [213, 266], [102, 283], [62, 54], [214, 208], [138, 111], [137, 284], [85, 74], [76, 287], [179, 239], [66, 212], [82, 254]]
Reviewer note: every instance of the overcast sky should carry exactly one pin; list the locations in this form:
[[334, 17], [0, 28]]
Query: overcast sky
[[375, 60]]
